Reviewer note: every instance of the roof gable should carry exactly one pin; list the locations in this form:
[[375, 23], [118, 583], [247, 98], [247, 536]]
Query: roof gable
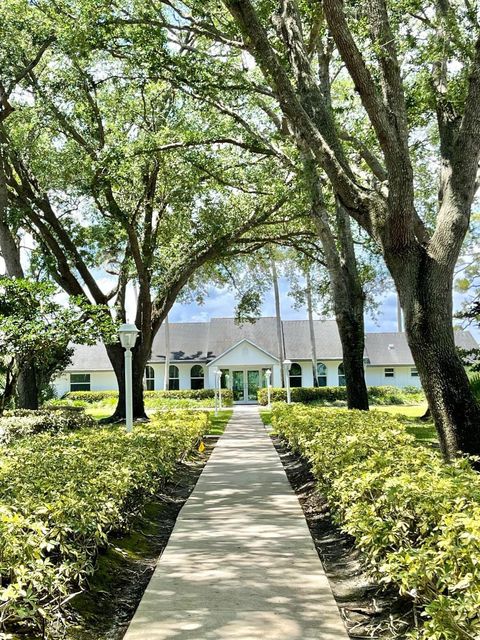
[[244, 352]]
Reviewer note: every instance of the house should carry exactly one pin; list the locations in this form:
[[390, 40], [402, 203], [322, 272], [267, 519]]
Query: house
[[245, 353]]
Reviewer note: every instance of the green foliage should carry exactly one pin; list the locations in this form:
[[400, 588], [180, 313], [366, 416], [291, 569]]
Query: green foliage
[[475, 385], [60, 498], [91, 397], [24, 422], [328, 395], [415, 518]]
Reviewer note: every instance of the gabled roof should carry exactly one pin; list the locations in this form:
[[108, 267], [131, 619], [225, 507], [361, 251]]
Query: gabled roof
[[245, 340], [392, 348], [206, 341]]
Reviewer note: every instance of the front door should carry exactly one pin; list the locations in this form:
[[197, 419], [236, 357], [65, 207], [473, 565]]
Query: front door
[[245, 384], [238, 386], [253, 383]]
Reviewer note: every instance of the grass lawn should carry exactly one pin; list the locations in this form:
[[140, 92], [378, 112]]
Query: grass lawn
[[218, 423]]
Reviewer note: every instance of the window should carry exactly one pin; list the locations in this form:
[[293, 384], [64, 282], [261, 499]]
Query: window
[[149, 378], [414, 372], [389, 372], [79, 382], [196, 377], [341, 375], [295, 375], [173, 378], [321, 374]]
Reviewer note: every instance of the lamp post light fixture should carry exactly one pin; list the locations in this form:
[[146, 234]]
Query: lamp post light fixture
[[287, 364], [268, 376], [128, 336]]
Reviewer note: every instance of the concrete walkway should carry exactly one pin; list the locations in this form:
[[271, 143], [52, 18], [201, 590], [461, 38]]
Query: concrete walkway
[[240, 564]]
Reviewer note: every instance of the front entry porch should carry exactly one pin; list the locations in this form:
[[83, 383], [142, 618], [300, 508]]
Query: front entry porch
[[245, 384]]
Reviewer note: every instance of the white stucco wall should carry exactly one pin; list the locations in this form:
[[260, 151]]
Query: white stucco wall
[[99, 381], [403, 378], [246, 356]]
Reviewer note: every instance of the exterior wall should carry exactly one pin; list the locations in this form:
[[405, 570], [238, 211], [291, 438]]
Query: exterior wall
[[99, 381], [255, 359], [403, 378]]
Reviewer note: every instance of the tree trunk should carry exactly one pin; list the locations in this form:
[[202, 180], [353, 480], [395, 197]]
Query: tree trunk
[[425, 290], [278, 316], [27, 387], [166, 374], [346, 289], [116, 354], [312, 329]]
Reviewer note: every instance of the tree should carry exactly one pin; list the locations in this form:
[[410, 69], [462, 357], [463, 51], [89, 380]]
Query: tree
[[36, 329], [421, 260], [227, 85], [117, 178]]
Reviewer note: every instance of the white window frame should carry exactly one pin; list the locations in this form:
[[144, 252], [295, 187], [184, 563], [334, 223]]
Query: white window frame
[[74, 385], [173, 379], [414, 372], [391, 372], [324, 375], [149, 378]]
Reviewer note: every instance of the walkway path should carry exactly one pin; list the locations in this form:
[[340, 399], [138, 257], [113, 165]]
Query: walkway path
[[240, 564]]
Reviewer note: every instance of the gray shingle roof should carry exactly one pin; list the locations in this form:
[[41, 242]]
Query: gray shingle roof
[[205, 341], [393, 349]]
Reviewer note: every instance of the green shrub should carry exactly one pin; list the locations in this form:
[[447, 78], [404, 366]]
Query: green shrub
[[330, 395], [415, 518], [90, 397], [61, 497], [24, 422]]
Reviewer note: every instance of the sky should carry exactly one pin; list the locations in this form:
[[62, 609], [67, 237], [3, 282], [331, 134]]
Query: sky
[[220, 303]]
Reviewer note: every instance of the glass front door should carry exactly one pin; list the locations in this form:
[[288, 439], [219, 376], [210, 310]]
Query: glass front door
[[245, 384], [238, 386], [253, 380]]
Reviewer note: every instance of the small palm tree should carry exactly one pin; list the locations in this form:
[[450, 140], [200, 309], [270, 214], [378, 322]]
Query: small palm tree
[[475, 385]]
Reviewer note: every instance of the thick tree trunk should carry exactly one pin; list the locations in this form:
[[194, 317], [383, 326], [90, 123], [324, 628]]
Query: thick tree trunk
[[425, 290], [27, 387], [116, 354]]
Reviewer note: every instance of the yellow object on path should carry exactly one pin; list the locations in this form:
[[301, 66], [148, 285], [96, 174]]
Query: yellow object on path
[[201, 447]]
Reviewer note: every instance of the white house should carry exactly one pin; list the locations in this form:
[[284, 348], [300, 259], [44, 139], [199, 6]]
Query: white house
[[244, 353]]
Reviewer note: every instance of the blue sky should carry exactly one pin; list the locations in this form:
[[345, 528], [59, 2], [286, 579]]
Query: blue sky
[[221, 303]]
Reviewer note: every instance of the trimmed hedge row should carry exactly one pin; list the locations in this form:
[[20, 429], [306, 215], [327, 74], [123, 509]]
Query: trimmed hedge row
[[377, 395], [415, 518], [61, 496], [91, 397], [23, 422]]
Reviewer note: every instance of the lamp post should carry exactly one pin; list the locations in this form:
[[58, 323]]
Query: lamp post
[[218, 383], [215, 388], [268, 376], [287, 364], [128, 336]]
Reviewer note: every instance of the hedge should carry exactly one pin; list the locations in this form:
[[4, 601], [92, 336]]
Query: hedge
[[415, 518], [24, 422], [323, 395], [183, 394], [62, 496]]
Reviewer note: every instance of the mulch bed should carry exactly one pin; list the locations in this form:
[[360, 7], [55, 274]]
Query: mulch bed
[[369, 611]]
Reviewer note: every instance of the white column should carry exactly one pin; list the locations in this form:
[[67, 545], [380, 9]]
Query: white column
[[128, 390]]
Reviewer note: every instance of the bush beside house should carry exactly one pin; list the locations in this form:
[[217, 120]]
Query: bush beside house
[[329, 395], [415, 518]]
